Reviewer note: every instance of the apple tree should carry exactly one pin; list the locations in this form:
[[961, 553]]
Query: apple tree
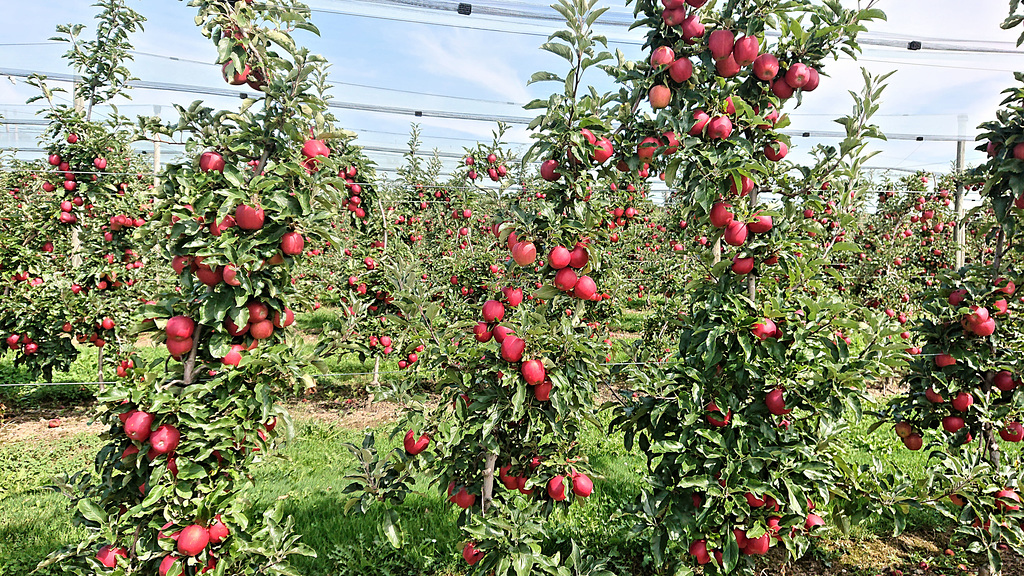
[[963, 399], [739, 431], [169, 493], [518, 380], [82, 205]]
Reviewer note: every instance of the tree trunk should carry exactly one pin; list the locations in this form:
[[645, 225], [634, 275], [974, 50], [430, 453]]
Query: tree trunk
[[488, 489], [99, 366]]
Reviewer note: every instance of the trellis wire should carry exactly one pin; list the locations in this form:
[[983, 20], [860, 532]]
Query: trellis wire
[[333, 374]]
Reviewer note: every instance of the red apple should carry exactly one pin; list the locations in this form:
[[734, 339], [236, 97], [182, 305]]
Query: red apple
[[533, 372], [414, 446], [211, 161], [721, 43], [745, 50], [193, 540]]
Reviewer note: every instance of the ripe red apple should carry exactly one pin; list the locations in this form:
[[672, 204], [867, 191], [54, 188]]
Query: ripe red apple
[[932, 396], [1004, 381], [565, 279], [556, 488], [493, 311], [289, 318], [234, 356], [559, 257], [1012, 432], [943, 360], [746, 186], [782, 89], [798, 75], [211, 161], [257, 311], [673, 16], [719, 128], [514, 296], [137, 425], [963, 401], [913, 441], [533, 372], [735, 233], [742, 265], [745, 50], [604, 150], [582, 485], [414, 446], [727, 67], [758, 546], [463, 499], [766, 67], [813, 521], [1007, 499], [773, 155], [249, 218], [239, 77], [579, 256], [662, 56], [193, 540], [470, 554], [210, 276], [313, 148], [218, 530], [660, 96], [481, 333], [764, 329], [292, 243], [164, 439], [699, 550], [952, 424], [776, 403], [166, 564], [720, 215], [672, 145], [177, 347], [712, 411], [700, 120], [524, 253], [512, 348], [108, 554], [903, 429], [548, 170], [586, 288], [542, 391], [645, 150], [261, 330], [692, 28], [500, 333], [761, 224], [681, 70], [812, 81], [721, 43]]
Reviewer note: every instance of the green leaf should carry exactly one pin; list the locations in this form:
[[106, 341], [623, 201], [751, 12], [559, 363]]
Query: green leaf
[[391, 530]]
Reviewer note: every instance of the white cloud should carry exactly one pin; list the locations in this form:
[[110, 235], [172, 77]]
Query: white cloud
[[459, 55]]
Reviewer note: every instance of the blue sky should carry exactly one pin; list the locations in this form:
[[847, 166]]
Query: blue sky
[[395, 50]]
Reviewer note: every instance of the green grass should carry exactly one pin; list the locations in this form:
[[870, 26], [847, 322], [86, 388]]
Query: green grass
[[307, 473]]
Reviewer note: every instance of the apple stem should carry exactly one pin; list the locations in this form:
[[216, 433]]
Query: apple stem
[[488, 489]]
